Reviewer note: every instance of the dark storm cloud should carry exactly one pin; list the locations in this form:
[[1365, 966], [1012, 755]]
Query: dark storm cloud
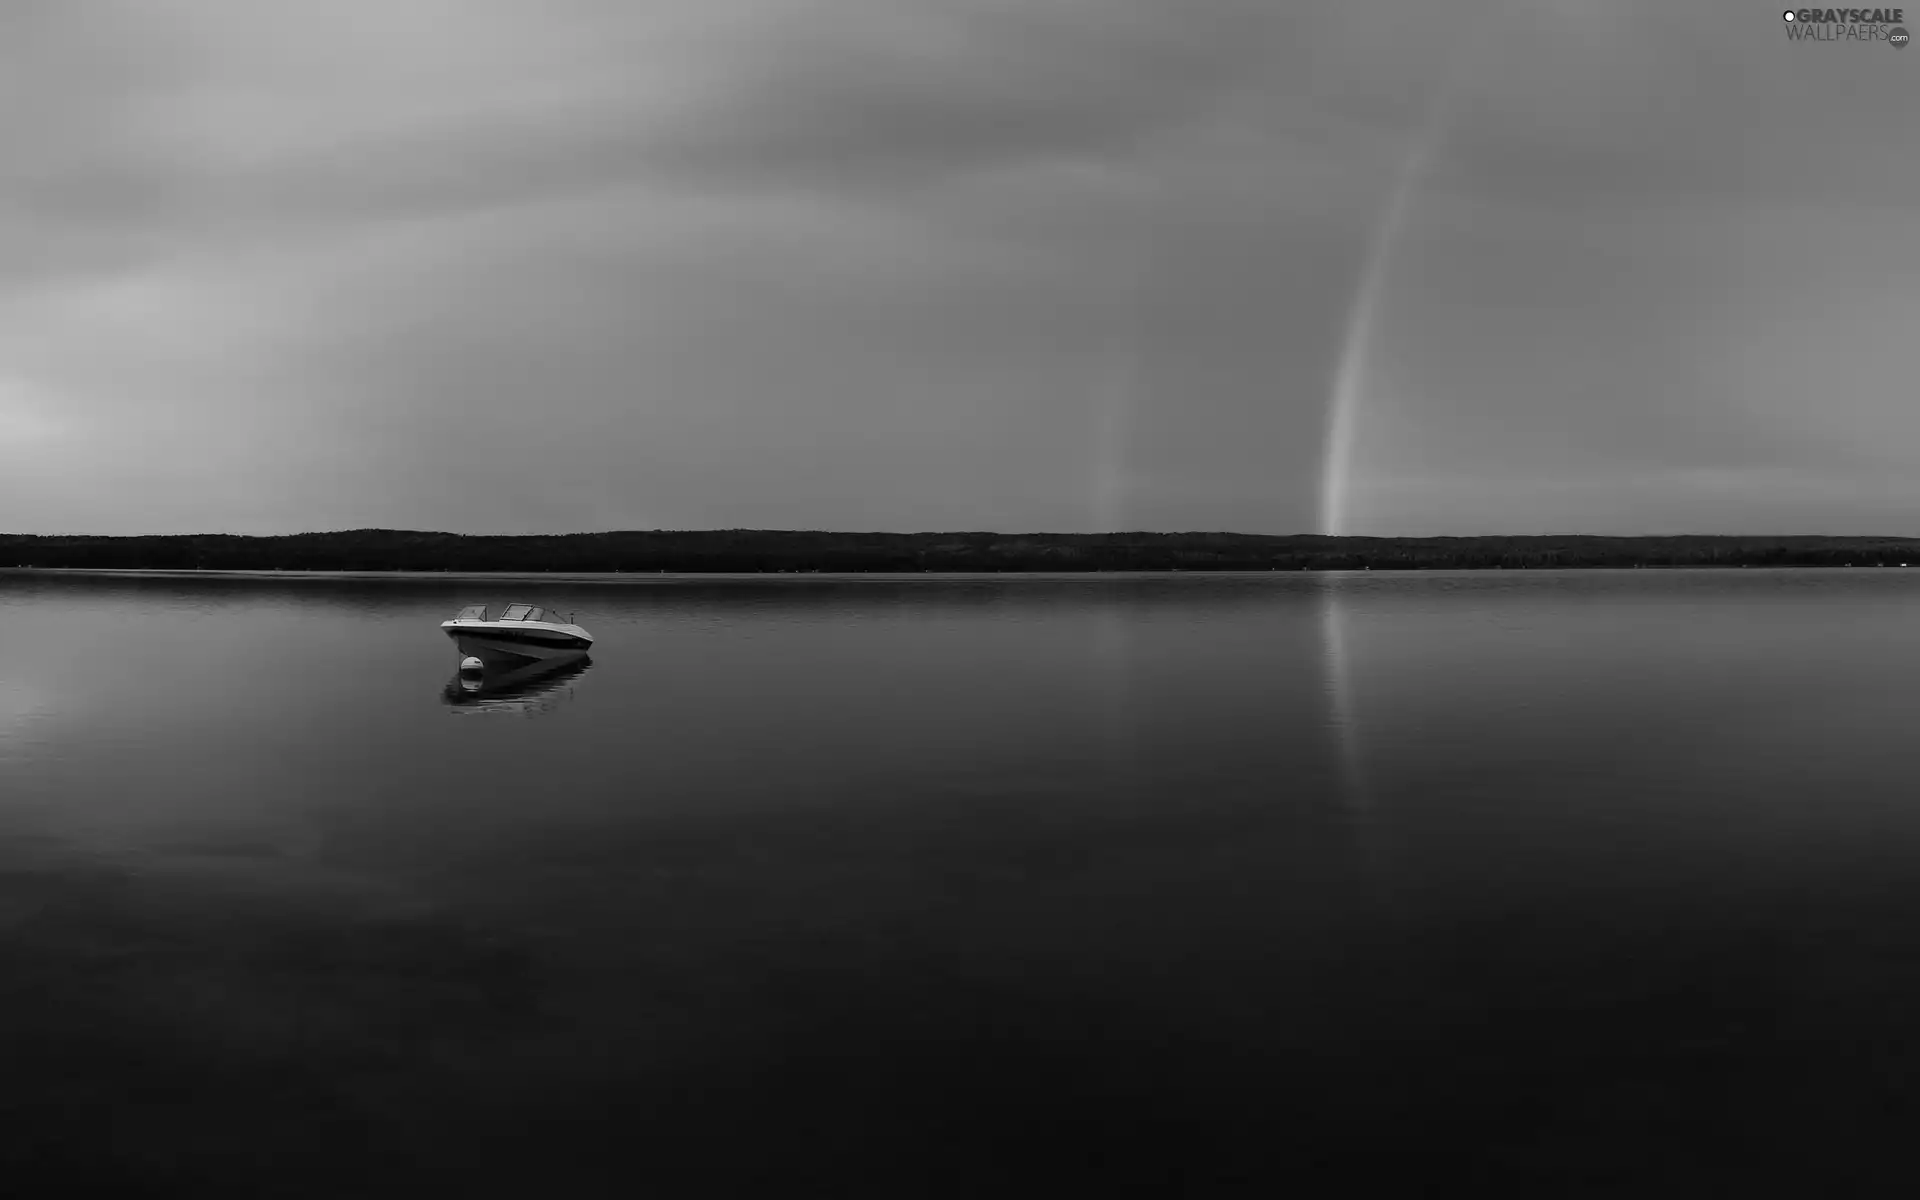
[[152, 127], [881, 92]]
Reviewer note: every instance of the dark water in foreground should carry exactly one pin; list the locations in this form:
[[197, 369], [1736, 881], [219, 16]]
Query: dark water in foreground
[[1569, 884]]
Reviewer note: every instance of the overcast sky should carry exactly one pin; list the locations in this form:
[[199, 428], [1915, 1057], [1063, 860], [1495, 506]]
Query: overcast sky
[[546, 265]]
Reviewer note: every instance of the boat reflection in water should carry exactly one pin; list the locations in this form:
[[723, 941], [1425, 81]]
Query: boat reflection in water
[[532, 688]]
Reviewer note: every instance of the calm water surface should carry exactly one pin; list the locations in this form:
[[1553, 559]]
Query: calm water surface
[[1600, 883]]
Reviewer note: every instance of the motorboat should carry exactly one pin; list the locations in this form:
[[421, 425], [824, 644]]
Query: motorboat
[[528, 688], [521, 633]]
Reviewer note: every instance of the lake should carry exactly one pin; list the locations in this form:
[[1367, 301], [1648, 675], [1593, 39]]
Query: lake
[[1573, 883]]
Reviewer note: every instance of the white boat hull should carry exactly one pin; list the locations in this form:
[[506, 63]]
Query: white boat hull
[[496, 652], [520, 634]]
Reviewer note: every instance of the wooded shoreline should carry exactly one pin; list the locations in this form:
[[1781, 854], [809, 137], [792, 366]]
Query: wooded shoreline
[[746, 550]]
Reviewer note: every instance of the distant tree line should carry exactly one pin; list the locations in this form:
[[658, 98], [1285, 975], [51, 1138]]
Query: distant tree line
[[752, 550]]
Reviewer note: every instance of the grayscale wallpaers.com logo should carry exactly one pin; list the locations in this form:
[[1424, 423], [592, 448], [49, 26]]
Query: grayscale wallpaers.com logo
[[1847, 25]]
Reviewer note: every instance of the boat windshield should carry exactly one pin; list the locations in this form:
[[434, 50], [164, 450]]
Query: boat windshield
[[472, 612], [522, 612]]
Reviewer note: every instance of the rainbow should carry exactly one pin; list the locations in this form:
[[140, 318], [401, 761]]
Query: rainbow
[[1363, 314], [1350, 378]]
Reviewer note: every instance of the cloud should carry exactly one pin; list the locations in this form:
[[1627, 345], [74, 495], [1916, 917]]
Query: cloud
[[872, 92], [896, 263], [26, 420]]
